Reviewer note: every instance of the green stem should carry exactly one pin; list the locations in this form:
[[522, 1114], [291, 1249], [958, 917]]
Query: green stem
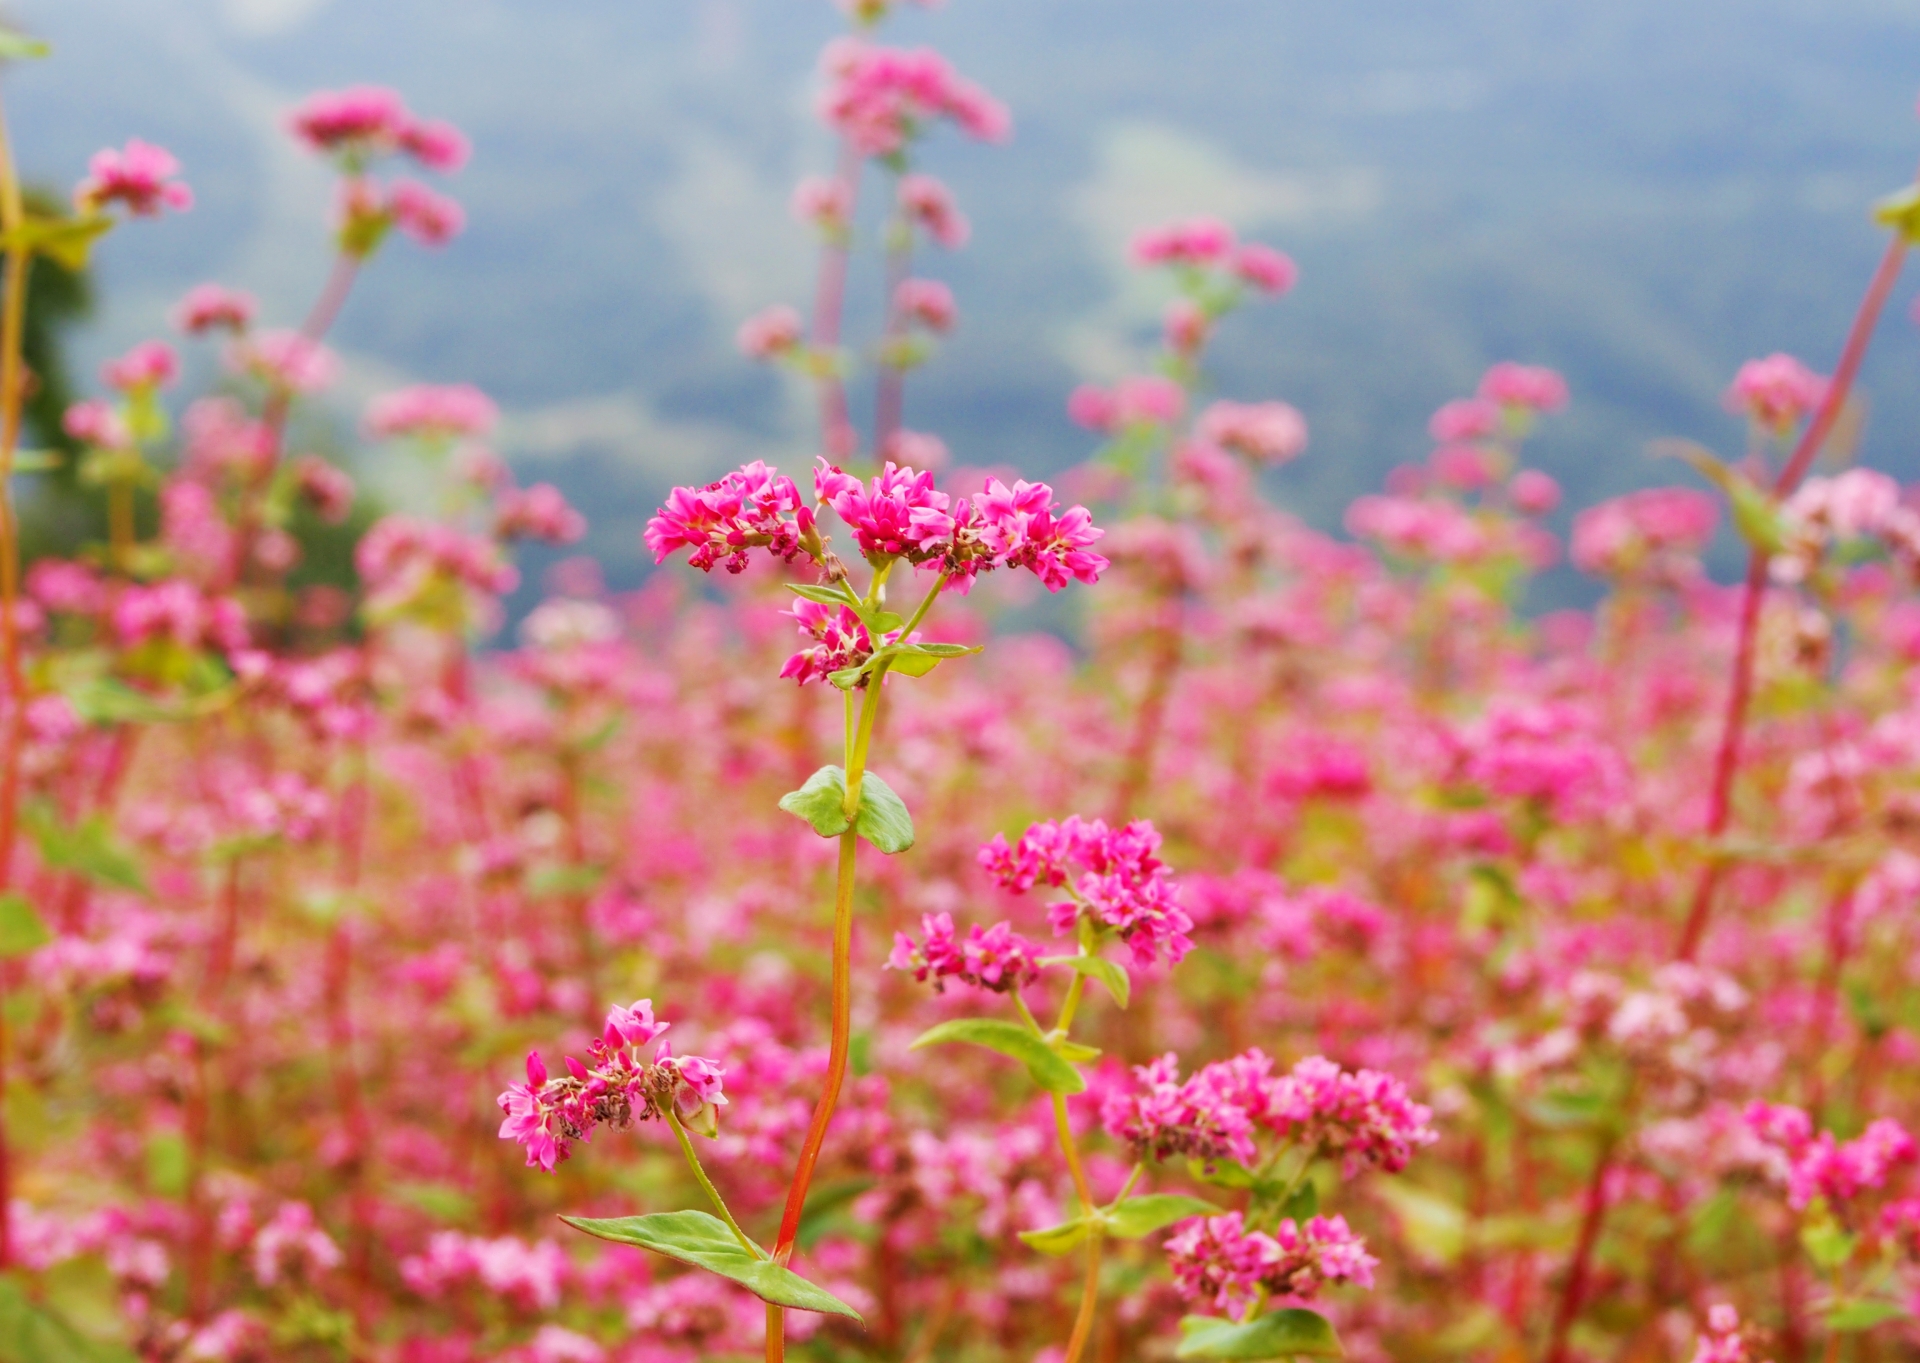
[[926, 604], [706, 1186], [1090, 1289]]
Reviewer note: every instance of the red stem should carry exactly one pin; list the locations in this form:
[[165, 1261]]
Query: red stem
[[1576, 1287]]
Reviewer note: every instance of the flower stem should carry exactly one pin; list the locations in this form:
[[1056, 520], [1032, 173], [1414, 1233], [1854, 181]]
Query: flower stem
[[706, 1184]]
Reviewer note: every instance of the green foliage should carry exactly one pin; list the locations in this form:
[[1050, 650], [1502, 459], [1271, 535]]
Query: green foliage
[[31, 1334], [87, 848], [704, 1241], [1045, 1064], [1058, 1240], [1278, 1334], [1139, 1217], [21, 929], [882, 818], [1110, 973]]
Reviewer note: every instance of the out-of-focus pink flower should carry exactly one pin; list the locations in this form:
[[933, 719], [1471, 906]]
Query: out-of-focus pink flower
[[1465, 419], [287, 360], [1655, 530], [881, 98], [1197, 242], [429, 217], [1217, 1261], [1529, 387], [926, 301], [1020, 525], [1467, 467], [1143, 400], [539, 512], [1361, 1117], [1533, 493], [1186, 327], [149, 365], [369, 121], [326, 487], [95, 422], [1263, 432], [770, 333], [1722, 1342], [213, 307], [823, 202], [1270, 271], [929, 204], [1121, 885], [432, 412], [140, 179], [1775, 392]]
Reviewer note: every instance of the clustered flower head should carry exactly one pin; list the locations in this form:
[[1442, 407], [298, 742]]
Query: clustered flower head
[[751, 508], [617, 1087], [1216, 1260], [1209, 244], [1259, 432], [1653, 534], [1819, 1165], [928, 204], [1523, 387], [214, 307], [997, 959], [1723, 1341], [840, 640], [149, 365], [1775, 392], [880, 98], [1113, 876], [139, 179], [1146, 400], [366, 122], [433, 412]]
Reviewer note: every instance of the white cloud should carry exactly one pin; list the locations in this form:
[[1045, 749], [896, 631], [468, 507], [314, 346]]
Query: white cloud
[[266, 18]]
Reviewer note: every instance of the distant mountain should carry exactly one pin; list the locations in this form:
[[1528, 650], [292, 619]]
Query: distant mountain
[[1641, 193]]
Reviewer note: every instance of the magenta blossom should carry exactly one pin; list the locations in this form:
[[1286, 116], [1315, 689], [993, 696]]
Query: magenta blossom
[[1775, 392], [1121, 885], [770, 333], [540, 512], [432, 412], [1261, 432], [366, 122], [929, 205], [996, 958], [213, 307], [1526, 387], [149, 365], [881, 98], [140, 178], [1217, 1261], [840, 641], [751, 508]]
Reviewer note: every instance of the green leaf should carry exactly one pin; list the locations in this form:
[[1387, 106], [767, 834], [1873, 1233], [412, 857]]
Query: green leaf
[[1142, 1216], [879, 622], [1755, 512], [821, 593], [21, 930], [65, 241], [1278, 1334], [1435, 1228], [1303, 1204], [16, 46], [1224, 1173], [1057, 1240], [1847, 1317], [848, 677], [704, 1241], [911, 664], [821, 802], [103, 700], [883, 819], [1110, 973], [1049, 1071], [1829, 1246], [36, 461], [29, 1334], [944, 650], [1900, 211], [88, 849], [1072, 1051]]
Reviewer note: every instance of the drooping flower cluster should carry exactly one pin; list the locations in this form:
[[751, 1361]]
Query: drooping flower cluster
[[617, 1087], [139, 179], [1114, 877], [840, 641], [366, 122], [1652, 535], [997, 959], [1209, 244], [1260, 432], [751, 508], [1776, 392], [1216, 1260]]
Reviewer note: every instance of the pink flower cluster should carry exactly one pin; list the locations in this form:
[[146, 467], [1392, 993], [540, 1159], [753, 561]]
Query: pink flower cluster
[[928, 204], [881, 98], [752, 507], [365, 209], [1113, 875], [1209, 244], [1723, 1342], [771, 333], [840, 641], [540, 512], [1523, 387], [368, 121], [996, 958], [1775, 392], [432, 412], [149, 365], [286, 360], [1652, 534], [214, 307], [401, 555], [1820, 1166], [1209, 1117], [140, 179], [617, 1088], [1146, 400], [1216, 1260], [1260, 432]]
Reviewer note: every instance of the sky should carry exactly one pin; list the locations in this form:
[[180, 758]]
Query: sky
[[1641, 194]]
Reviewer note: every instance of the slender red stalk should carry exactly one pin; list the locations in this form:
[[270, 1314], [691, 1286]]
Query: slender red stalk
[[1726, 761], [1591, 1221]]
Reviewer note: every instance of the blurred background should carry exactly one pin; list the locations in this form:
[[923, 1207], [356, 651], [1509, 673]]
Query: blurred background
[[1640, 193]]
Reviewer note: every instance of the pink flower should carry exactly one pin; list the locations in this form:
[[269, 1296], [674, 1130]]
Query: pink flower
[[540, 513], [140, 178], [899, 513], [929, 204], [1196, 242], [1216, 1261], [1020, 525], [1121, 885], [1654, 531], [1533, 493], [1263, 432], [365, 122], [1144, 400], [1775, 392], [432, 412], [1262, 267], [326, 487], [926, 301], [1467, 467], [287, 360], [997, 959], [1186, 327], [211, 307], [1465, 419], [1528, 387], [95, 423], [149, 365], [430, 218], [753, 507], [826, 204], [1723, 1342], [770, 333], [881, 98], [840, 641], [1161, 1118], [1362, 1117]]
